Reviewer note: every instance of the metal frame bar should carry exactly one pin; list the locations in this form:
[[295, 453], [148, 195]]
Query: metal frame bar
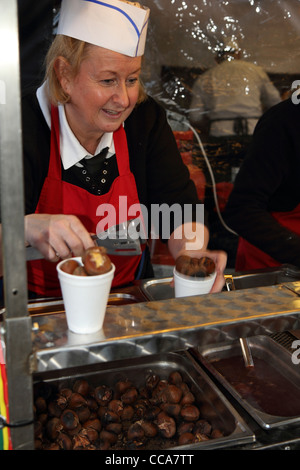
[[17, 324]]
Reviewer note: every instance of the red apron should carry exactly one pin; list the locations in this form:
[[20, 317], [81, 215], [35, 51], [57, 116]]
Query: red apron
[[59, 197], [249, 257]]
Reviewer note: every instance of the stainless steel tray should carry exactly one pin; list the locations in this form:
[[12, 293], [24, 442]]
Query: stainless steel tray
[[158, 289], [54, 305], [262, 277], [214, 406], [275, 358], [161, 289]]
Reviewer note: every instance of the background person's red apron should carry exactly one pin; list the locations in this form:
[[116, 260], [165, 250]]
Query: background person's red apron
[[249, 257], [59, 197]]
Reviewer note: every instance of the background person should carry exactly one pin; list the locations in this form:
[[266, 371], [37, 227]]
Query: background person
[[231, 96], [227, 101], [264, 206]]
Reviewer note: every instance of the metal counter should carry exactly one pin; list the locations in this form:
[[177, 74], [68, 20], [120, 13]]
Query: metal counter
[[145, 328], [164, 326]]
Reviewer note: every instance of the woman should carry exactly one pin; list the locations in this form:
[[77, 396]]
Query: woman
[[92, 101]]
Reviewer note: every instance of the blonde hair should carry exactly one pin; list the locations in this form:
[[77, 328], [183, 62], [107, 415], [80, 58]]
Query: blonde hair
[[74, 51]]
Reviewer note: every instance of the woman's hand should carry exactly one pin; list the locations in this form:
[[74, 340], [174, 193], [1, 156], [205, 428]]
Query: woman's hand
[[191, 239], [57, 236]]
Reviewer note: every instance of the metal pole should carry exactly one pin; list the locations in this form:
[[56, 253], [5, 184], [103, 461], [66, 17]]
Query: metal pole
[[17, 323]]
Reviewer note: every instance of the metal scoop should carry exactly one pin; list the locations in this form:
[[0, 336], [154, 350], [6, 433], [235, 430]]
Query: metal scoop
[[124, 239], [247, 355], [246, 351]]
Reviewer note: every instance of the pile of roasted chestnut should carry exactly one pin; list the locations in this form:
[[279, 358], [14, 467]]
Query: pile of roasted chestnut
[[195, 267], [161, 414], [95, 261]]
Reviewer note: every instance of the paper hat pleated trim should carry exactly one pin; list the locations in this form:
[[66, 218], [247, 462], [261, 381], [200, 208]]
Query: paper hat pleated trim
[[112, 24]]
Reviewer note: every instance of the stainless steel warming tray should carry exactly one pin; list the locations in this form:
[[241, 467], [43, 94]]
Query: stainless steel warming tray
[[270, 391], [161, 289], [158, 289], [214, 407], [55, 305]]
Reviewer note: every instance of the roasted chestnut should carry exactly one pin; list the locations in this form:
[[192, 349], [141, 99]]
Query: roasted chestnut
[[80, 441], [69, 420], [122, 386], [190, 413], [65, 392], [127, 413], [64, 441], [186, 438], [108, 437], [73, 432], [69, 266], [109, 417], [156, 392], [83, 413], [116, 406], [184, 387], [135, 432], [185, 427], [129, 396], [166, 425], [172, 409], [187, 399], [141, 406], [216, 433], [171, 394], [202, 426], [76, 400], [175, 377], [79, 271], [40, 405], [195, 267], [96, 261], [114, 427], [90, 433], [54, 409], [82, 387], [92, 403], [151, 412], [93, 423], [62, 402], [53, 428], [103, 394], [150, 429]]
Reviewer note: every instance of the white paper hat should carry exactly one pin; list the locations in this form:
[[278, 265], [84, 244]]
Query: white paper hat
[[113, 24]]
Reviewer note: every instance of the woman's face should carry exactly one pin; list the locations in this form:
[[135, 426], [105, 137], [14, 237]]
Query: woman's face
[[102, 94]]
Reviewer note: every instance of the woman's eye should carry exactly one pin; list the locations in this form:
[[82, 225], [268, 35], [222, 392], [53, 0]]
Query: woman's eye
[[113, 82], [132, 81], [108, 82]]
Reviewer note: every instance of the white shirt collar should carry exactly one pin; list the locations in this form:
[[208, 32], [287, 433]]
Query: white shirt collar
[[70, 148]]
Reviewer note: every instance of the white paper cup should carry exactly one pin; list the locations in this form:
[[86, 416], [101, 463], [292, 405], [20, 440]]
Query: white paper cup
[[85, 299], [186, 286]]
